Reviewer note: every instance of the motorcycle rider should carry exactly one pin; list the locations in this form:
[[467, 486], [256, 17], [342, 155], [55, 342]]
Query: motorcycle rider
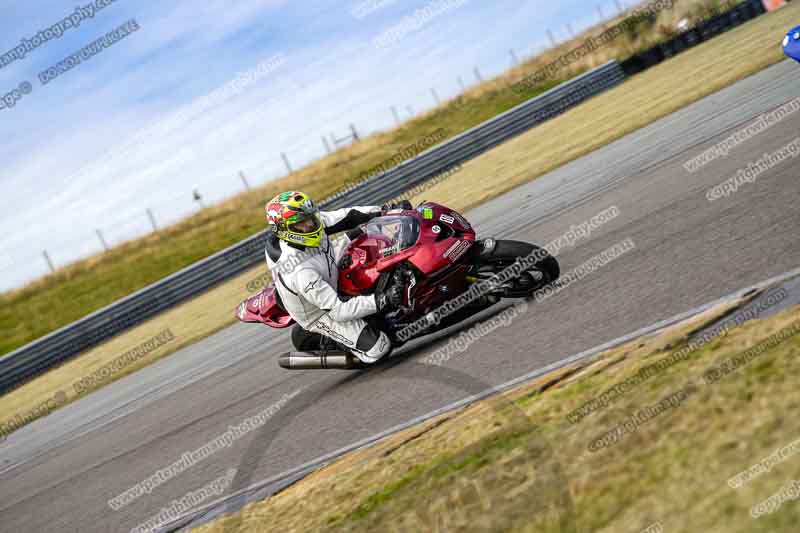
[[304, 262]]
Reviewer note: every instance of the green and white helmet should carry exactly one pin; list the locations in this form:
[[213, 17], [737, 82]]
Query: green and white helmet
[[294, 217]]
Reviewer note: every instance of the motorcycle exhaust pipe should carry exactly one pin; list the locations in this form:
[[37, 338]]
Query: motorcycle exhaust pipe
[[334, 360]]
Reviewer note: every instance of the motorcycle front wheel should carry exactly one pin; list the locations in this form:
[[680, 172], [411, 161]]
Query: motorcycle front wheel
[[504, 254]]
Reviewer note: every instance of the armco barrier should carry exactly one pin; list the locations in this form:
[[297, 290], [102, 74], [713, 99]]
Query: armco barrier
[[707, 29], [103, 324]]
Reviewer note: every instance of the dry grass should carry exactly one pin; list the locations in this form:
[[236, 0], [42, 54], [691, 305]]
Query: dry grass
[[514, 463], [643, 99]]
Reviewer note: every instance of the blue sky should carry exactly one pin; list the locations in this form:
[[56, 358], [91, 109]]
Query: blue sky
[[123, 130]]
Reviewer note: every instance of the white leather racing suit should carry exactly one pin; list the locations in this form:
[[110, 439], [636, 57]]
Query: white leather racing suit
[[307, 280]]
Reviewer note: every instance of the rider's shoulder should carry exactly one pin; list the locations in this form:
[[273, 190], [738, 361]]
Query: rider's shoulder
[[273, 247]]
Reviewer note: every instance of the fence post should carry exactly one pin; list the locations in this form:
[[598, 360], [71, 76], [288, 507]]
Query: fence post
[[244, 180], [286, 162], [436, 97], [514, 58], [102, 239], [552, 38], [396, 115], [152, 219], [355, 133], [410, 110], [461, 83], [327, 145], [49, 262], [478, 75]]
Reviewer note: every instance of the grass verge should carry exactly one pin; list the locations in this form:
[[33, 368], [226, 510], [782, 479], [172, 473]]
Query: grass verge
[[515, 462], [640, 101]]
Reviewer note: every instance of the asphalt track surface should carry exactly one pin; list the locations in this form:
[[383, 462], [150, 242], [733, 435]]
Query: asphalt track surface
[[58, 473]]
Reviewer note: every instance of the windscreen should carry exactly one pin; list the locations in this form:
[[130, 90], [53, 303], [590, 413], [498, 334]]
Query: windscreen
[[402, 232]]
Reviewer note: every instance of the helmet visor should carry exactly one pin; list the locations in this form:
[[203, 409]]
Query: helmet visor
[[305, 223]]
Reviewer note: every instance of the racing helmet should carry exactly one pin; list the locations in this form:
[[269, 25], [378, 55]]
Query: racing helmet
[[294, 218]]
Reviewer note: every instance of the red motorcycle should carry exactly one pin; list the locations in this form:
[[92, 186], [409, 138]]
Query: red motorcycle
[[432, 252]]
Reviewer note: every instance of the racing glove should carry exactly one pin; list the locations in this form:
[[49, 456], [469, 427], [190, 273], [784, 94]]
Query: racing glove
[[403, 204], [389, 299]]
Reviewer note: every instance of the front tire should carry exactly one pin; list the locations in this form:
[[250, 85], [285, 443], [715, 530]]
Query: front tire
[[504, 254]]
